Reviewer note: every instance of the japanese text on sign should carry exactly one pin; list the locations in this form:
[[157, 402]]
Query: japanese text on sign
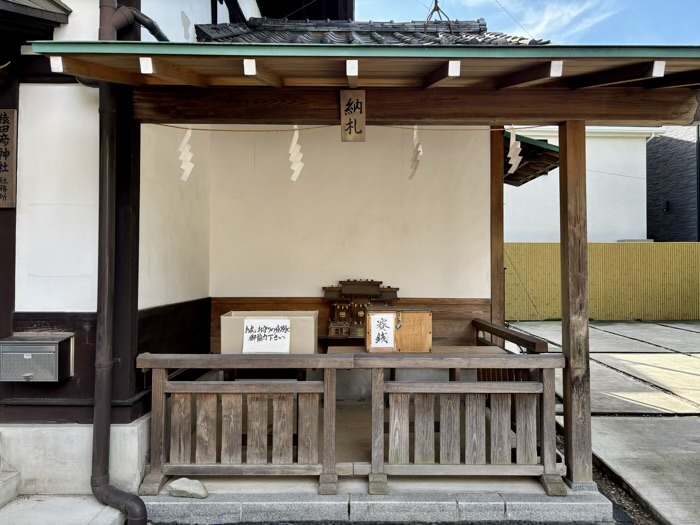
[[270, 336], [8, 157], [382, 330], [352, 115]]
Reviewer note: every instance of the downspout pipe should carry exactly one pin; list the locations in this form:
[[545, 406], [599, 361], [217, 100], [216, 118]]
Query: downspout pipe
[[129, 504], [112, 18]]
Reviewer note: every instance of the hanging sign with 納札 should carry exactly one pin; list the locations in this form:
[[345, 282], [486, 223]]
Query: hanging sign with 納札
[[8, 158], [352, 115]]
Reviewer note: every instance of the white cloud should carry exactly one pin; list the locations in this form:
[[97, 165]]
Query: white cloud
[[560, 21]]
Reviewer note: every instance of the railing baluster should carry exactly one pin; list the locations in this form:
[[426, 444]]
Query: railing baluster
[[231, 428], [398, 428], [475, 429], [307, 434], [256, 452], [205, 451], [500, 429], [526, 428], [449, 429], [424, 434], [181, 429], [282, 428]]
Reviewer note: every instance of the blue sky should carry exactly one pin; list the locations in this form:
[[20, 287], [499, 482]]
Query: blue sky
[[606, 22]]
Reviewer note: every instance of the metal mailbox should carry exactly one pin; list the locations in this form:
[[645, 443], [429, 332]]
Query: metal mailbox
[[36, 357]]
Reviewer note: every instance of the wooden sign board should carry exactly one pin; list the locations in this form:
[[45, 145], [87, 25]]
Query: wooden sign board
[[352, 115], [8, 158], [405, 331], [266, 336]]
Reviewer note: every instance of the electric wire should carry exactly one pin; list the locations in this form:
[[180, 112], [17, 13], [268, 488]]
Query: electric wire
[[302, 7], [514, 19], [287, 130]]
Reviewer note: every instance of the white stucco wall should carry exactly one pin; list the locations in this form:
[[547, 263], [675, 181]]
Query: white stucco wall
[[177, 17], [353, 213], [174, 220], [616, 190], [83, 22], [57, 198], [57, 186]]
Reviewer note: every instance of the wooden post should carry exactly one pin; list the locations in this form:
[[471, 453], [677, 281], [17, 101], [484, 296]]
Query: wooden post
[[154, 480], [328, 481], [377, 478], [498, 276], [574, 288], [498, 281]]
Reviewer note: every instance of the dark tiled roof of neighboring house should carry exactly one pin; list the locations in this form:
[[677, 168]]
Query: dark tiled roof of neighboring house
[[436, 33], [50, 11]]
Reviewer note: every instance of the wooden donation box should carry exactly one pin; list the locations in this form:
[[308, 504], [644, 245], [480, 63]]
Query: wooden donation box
[[293, 332], [397, 329]]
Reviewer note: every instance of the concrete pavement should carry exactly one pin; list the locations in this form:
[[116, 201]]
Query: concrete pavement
[[640, 370]]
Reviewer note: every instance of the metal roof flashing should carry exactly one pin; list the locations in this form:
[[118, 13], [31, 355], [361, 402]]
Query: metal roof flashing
[[358, 50]]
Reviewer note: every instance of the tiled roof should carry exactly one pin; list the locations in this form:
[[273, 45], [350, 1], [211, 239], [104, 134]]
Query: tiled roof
[[437, 33]]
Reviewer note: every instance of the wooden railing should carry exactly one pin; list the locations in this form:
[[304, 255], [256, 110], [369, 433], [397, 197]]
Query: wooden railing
[[463, 407], [222, 428], [531, 345], [183, 410]]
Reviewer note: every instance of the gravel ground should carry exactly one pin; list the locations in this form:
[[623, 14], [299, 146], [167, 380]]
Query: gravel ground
[[627, 511]]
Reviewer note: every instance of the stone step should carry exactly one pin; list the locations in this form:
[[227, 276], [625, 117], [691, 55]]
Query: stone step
[[9, 487], [581, 507]]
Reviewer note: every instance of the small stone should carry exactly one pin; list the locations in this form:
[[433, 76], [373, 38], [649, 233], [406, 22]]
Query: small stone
[[187, 488]]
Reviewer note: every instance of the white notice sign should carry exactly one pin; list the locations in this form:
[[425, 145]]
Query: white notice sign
[[382, 330], [266, 336]]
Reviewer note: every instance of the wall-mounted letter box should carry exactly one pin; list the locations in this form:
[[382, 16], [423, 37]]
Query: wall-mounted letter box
[[35, 357]]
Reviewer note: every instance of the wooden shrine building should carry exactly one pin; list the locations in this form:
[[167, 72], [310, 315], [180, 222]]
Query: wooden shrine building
[[414, 77]]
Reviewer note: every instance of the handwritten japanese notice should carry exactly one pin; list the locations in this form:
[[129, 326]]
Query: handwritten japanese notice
[[382, 329], [352, 115], [269, 336], [8, 158]]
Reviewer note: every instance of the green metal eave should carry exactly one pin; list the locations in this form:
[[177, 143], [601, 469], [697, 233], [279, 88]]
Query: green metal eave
[[357, 51], [534, 142]]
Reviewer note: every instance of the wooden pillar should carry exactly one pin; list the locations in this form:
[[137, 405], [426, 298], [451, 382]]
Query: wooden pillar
[[126, 249], [498, 275], [574, 287], [9, 99]]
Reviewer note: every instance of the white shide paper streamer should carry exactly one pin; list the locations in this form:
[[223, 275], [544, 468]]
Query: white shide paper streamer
[[186, 155], [295, 155], [417, 153]]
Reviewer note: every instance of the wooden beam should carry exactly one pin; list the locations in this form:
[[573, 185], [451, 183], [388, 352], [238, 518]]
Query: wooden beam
[[251, 68], [532, 75], [352, 71], [444, 73], [684, 79], [574, 286], [606, 106], [81, 68], [498, 275], [159, 68], [620, 75]]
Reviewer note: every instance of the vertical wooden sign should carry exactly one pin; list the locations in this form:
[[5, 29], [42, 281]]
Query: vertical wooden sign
[[8, 158], [352, 115]]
